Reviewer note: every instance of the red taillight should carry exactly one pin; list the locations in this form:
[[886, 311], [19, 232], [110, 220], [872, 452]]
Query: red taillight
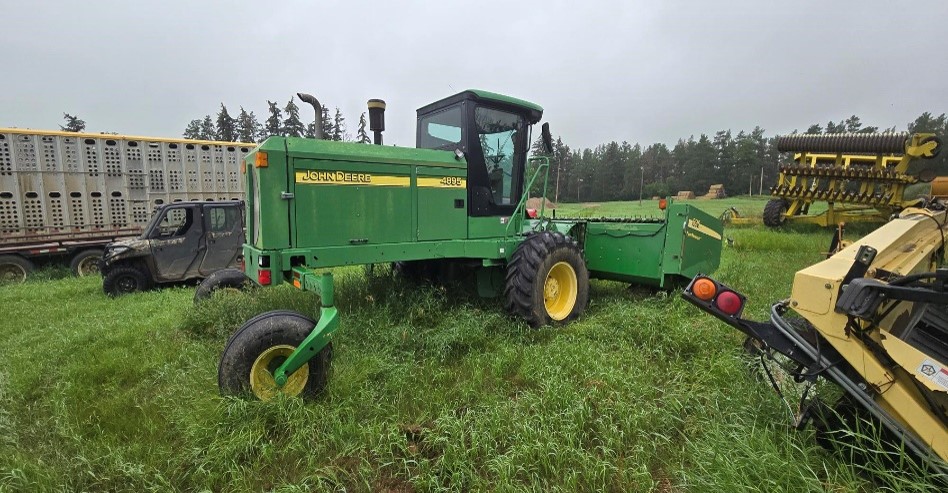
[[715, 297], [729, 303], [532, 213], [263, 277]]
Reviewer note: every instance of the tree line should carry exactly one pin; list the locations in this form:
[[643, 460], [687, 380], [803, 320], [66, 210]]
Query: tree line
[[745, 162], [285, 121]]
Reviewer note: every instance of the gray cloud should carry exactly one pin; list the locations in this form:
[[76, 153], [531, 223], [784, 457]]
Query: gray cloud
[[635, 71]]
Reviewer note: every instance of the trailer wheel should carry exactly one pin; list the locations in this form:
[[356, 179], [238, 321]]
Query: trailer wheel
[[222, 279], [86, 263], [547, 280], [774, 212], [14, 269], [125, 280], [260, 346]]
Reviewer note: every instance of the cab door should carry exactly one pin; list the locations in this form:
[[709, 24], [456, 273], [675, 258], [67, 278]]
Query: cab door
[[223, 237], [175, 242]]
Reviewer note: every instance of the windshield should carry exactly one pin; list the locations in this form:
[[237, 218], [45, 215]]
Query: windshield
[[497, 133]]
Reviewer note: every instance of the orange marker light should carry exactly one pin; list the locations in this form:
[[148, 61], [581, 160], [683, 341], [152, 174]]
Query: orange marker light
[[662, 204], [704, 289], [260, 160]]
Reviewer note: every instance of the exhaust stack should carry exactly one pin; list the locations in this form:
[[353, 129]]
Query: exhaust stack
[[309, 98]]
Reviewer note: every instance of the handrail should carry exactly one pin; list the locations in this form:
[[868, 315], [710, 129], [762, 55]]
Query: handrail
[[519, 210]]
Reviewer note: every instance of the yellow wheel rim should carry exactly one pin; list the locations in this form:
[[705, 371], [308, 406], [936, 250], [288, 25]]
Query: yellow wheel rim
[[559, 291], [262, 382]]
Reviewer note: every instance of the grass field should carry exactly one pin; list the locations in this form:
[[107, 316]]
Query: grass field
[[432, 389]]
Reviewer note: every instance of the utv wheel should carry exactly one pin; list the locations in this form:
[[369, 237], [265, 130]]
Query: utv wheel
[[260, 346], [14, 269], [86, 263], [125, 280], [547, 280], [774, 212], [222, 279]]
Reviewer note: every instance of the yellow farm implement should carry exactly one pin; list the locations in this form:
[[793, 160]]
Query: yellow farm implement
[[862, 177]]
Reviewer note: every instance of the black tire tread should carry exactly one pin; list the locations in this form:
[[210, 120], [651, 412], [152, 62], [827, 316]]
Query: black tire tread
[[773, 212], [260, 333], [109, 281], [224, 278], [524, 272], [79, 257], [19, 261]]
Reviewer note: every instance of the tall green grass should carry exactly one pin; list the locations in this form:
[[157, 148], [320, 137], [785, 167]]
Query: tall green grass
[[432, 388]]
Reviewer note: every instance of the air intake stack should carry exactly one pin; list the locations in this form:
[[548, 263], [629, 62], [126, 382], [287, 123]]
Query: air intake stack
[[377, 119]]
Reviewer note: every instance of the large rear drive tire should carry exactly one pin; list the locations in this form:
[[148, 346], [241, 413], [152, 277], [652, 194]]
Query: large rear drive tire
[[14, 269], [774, 212], [86, 263], [125, 280], [547, 280], [222, 279], [260, 346]]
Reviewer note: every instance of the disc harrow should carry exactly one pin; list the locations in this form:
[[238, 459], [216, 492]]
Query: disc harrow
[[861, 176]]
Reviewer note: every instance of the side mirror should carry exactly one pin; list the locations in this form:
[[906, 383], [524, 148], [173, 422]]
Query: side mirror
[[547, 138]]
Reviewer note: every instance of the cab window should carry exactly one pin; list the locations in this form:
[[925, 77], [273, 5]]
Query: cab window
[[221, 219], [441, 130], [175, 222]]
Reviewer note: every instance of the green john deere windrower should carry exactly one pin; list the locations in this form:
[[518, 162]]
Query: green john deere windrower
[[455, 204]]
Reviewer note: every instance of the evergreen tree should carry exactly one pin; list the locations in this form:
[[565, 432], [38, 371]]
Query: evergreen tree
[[339, 127], [853, 124], [208, 131], [248, 128], [73, 123], [274, 124], [310, 130], [816, 128], [362, 136], [327, 123], [193, 130], [226, 125], [292, 125], [835, 128]]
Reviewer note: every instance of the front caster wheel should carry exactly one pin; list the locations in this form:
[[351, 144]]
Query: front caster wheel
[[258, 348]]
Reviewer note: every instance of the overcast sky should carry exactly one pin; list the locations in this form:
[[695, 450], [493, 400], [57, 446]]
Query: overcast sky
[[640, 71]]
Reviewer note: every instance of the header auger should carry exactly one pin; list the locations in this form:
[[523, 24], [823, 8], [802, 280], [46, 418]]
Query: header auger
[[862, 176]]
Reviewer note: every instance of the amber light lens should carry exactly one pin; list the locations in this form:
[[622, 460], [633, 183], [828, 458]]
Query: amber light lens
[[662, 204], [704, 289], [729, 302], [260, 160]]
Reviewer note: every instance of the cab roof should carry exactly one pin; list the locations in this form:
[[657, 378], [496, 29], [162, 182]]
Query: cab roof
[[533, 110]]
